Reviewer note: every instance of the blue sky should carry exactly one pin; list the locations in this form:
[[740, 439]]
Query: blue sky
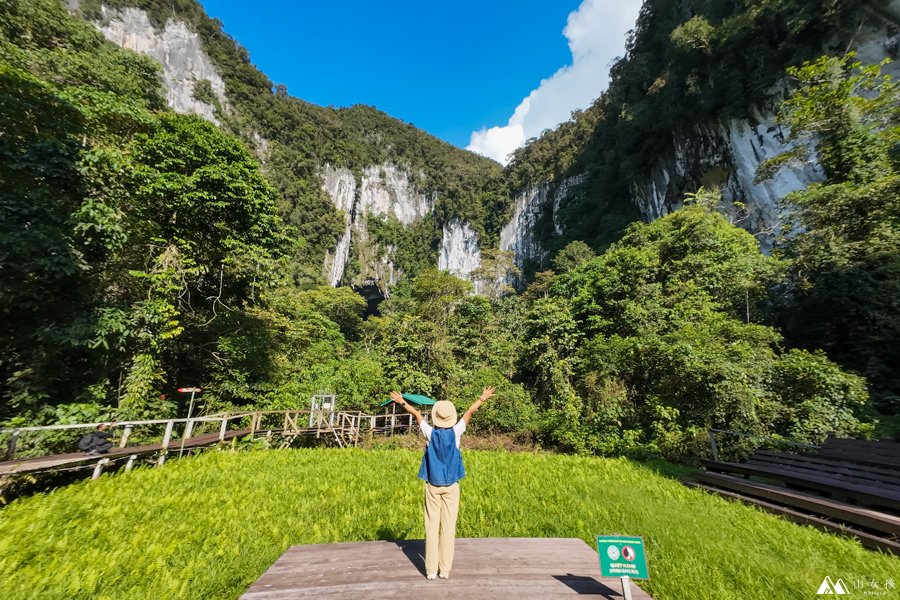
[[450, 68]]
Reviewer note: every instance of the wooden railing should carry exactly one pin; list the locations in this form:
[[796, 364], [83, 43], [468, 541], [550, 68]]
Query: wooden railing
[[345, 426]]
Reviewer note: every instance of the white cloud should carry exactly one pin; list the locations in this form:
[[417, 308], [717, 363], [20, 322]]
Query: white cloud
[[596, 33]]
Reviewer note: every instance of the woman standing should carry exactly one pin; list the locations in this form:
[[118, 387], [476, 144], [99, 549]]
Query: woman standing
[[442, 468]]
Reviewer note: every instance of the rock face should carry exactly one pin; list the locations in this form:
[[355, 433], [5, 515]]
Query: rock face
[[178, 50], [726, 155], [388, 191], [520, 235], [383, 191], [460, 249], [721, 153]]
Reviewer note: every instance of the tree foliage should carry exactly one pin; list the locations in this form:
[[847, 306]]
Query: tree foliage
[[143, 251], [844, 234]]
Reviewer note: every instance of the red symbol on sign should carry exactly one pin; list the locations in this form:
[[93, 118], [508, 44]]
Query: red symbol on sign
[[628, 553]]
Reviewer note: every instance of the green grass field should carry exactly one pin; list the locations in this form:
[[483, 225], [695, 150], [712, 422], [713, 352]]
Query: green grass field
[[207, 527]]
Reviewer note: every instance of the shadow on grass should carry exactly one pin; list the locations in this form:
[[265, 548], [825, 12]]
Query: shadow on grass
[[665, 468]]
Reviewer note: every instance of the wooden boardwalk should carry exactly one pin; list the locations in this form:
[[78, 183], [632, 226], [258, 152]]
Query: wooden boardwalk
[[343, 428], [45, 463], [483, 568]]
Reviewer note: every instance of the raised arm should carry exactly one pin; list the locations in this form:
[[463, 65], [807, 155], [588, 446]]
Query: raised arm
[[396, 397], [485, 394]]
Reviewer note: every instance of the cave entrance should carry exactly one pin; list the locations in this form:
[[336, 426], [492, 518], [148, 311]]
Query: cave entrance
[[373, 295]]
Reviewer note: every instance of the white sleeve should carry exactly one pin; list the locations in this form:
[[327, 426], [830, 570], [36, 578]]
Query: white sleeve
[[426, 430], [458, 430]]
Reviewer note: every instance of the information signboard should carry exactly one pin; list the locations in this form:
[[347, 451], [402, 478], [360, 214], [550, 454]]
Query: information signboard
[[622, 556]]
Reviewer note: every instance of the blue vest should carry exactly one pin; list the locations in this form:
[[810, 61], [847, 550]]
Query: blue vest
[[442, 463]]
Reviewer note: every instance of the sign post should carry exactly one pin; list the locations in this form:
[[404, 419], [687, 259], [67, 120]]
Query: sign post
[[622, 557]]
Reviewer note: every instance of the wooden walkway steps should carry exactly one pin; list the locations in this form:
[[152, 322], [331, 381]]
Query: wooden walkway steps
[[836, 517], [851, 487], [483, 568]]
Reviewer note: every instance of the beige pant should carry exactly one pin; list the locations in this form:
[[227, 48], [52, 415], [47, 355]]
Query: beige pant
[[441, 510]]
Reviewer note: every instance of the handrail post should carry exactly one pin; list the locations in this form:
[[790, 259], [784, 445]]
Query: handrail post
[[712, 445], [188, 430], [11, 450], [165, 443], [98, 468], [125, 435], [223, 428]]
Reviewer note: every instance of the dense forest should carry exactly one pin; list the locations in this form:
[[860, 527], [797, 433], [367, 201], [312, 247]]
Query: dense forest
[[143, 250]]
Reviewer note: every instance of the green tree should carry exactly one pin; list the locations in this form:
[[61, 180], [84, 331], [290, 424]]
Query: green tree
[[695, 34], [669, 350], [437, 293], [496, 269], [843, 234], [548, 362], [571, 256]]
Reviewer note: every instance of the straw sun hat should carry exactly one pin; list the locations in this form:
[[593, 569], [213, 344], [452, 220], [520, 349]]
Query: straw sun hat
[[443, 414]]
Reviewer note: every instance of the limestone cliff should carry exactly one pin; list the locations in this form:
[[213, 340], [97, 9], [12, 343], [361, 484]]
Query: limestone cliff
[[721, 153], [460, 249], [384, 191], [178, 49], [725, 153]]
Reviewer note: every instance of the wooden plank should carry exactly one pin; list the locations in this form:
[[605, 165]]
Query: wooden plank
[[484, 568], [884, 453], [778, 471], [44, 463], [856, 515], [814, 459], [866, 494], [840, 479], [866, 539], [886, 446], [835, 467], [862, 457]]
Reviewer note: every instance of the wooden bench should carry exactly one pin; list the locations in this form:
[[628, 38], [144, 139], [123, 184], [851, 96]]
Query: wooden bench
[[863, 452], [848, 486]]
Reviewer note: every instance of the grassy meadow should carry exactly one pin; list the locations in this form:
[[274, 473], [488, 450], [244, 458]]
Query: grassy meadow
[[208, 526]]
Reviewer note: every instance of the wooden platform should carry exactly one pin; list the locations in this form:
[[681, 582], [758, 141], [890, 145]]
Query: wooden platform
[[483, 568]]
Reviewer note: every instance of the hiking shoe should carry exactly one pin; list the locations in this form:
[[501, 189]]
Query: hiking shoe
[[431, 577], [444, 575]]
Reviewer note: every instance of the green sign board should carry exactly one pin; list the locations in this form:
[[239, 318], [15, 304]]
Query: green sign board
[[622, 556]]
